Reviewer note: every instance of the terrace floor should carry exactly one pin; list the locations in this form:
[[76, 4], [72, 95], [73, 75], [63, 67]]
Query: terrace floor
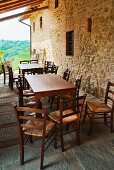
[[96, 152]]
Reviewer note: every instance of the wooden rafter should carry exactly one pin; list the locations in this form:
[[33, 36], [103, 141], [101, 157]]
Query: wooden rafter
[[8, 5], [32, 6], [22, 13], [14, 6]]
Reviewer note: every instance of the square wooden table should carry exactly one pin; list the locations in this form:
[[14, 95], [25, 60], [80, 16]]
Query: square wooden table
[[25, 67], [49, 85]]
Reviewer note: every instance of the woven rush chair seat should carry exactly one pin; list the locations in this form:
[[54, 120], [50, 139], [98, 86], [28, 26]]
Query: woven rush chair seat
[[39, 130], [56, 116], [98, 107]]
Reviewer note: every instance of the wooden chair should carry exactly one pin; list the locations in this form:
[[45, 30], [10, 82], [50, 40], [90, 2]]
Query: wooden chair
[[12, 77], [48, 63], [105, 110], [26, 97], [5, 72], [67, 114], [51, 69], [29, 126], [66, 75], [37, 71], [23, 62], [54, 69], [77, 84], [33, 61]]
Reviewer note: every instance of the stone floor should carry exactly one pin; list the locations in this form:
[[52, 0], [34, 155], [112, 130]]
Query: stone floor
[[96, 152]]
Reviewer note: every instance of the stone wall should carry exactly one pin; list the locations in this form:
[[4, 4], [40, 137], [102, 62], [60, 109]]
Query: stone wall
[[93, 51]]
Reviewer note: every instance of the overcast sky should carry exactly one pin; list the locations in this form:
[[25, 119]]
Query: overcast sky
[[13, 29]]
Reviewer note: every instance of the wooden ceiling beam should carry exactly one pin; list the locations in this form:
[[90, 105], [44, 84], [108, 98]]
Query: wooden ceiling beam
[[15, 2], [22, 13], [20, 5], [4, 2]]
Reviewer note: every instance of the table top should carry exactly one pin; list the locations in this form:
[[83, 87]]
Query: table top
[[28, 66], [49, 85]]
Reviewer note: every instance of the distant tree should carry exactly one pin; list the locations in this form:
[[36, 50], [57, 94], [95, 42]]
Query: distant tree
[[1, 57]]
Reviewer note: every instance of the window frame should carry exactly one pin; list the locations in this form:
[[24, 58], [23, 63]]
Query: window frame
[[70, 43], [56, 3], [33, 26], [41, 23]]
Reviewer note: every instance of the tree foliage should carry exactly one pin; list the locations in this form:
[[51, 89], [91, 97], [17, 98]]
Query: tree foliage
[[15, 51]]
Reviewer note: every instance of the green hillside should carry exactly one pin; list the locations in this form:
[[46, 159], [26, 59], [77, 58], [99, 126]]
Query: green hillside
[[14, 51]]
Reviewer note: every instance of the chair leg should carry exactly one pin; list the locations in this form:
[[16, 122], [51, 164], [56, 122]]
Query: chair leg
[[91, 123], [111, 123], [21, 151], [67, 126], [78, 134], [61, 138], [31, 139], [4, 79], [42, 153], [58, 102], [52, 100], [55, 140], [105, 118], [49, 99], [12, 85], [85, 114]]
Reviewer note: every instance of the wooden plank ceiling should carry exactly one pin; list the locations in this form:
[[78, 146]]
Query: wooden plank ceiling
[[9, 5]]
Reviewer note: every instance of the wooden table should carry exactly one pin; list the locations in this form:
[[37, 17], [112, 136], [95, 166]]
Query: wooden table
[[25, 67], [49, 85]]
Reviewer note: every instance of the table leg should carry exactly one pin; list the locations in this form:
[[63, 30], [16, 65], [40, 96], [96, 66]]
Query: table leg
[[23, 73]]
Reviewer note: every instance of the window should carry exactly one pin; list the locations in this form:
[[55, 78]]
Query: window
[[40, 22], [89, 24], [33, 26], [56, 3], [70, 43]]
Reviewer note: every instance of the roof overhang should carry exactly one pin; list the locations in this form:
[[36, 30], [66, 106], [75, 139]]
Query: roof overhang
[[10, 5]]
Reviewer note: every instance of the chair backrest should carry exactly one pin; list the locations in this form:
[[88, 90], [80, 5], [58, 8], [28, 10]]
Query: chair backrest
[[24, 62], [66, 75], [109, 95], [69, 107], [82, 101], [23, 119], [33, 61], [78, 84], [54, 69], [48, 63], [51, 69], [38, 70]]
